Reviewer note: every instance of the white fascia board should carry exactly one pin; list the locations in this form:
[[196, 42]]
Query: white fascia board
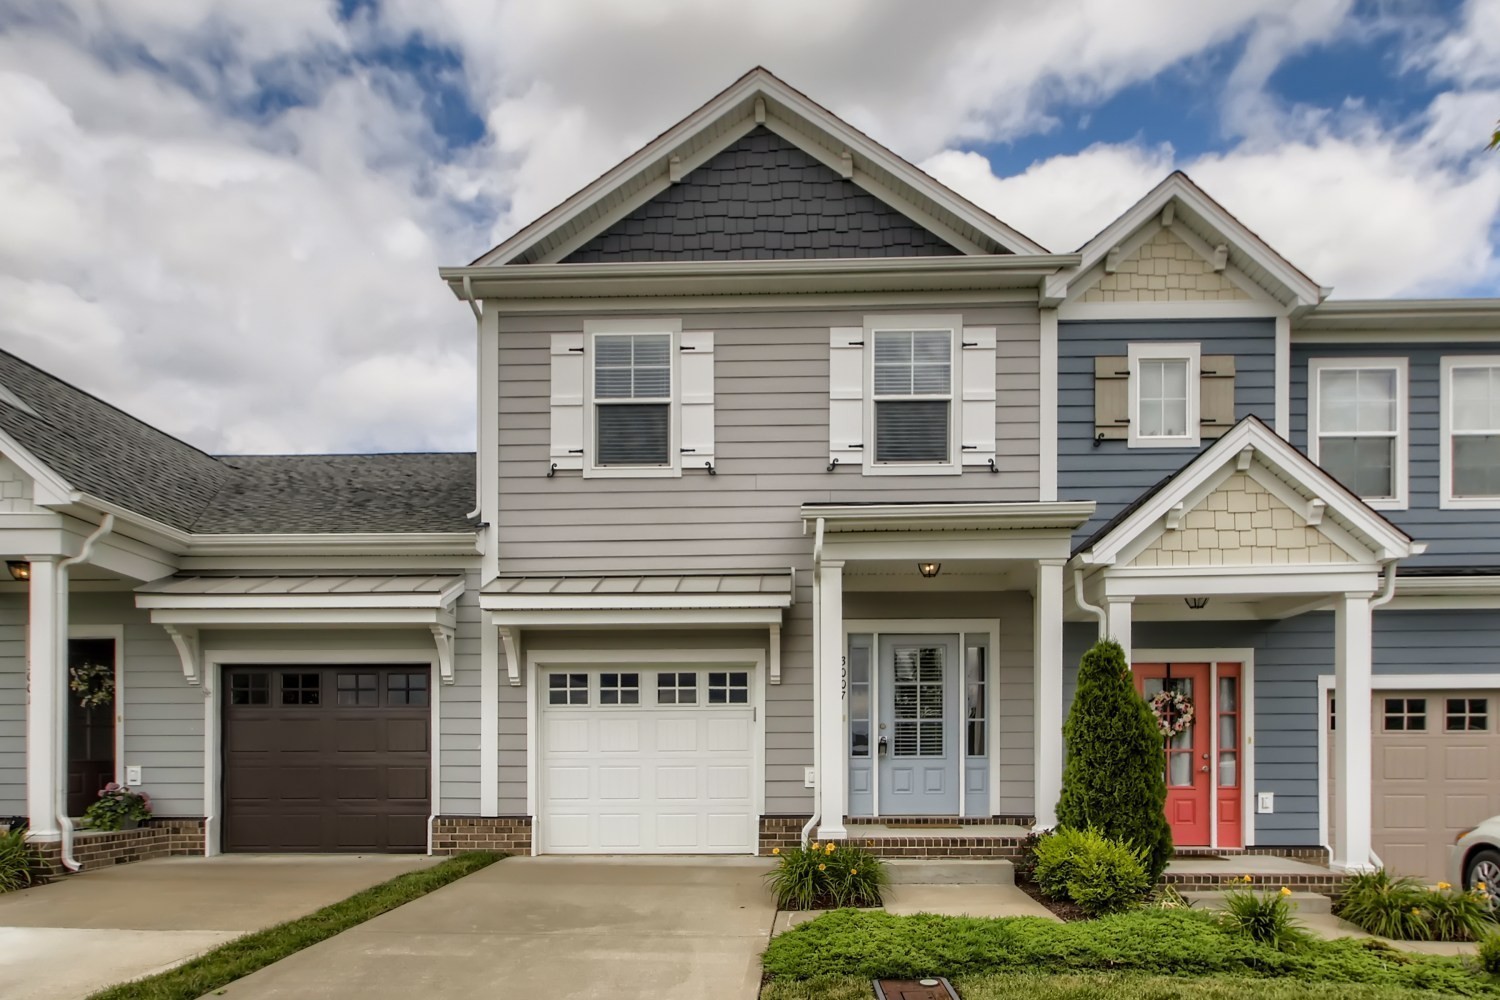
[[302, 617], [1070, 312], [631, 602], [1390, 542], [645, 618], [1235, 581], [50, 488], [337, 543], [948, 546], [1399, 319], [1447, 585], [1057, 515]]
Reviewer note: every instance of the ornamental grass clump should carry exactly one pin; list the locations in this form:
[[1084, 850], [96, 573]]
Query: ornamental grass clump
[[1265, 918], [1115, 778], [827, 876], [1406, 910], [19, 867], [1488, 955]]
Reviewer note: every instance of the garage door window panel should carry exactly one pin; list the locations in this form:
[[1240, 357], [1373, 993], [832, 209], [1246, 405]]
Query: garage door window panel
[[300, 689], [406, 689], [250, 689], [619, 689], [1405, 715], [729, 688], [677, 688], [357, 690], [567, 689], [1467, 715]]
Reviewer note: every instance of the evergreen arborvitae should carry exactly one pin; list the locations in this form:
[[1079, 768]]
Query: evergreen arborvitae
[[1115, 780]]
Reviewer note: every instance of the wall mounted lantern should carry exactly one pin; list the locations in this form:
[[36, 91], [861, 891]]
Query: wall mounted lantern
[[929, 569], [20, 569]]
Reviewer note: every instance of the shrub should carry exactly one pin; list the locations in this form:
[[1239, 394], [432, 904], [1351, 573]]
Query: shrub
[[18, 866], [827, 876], [1406, 910], [1115, 780], [1455, 916], [1099, 874], [1265, 918], [1489, 953], [116, 805]]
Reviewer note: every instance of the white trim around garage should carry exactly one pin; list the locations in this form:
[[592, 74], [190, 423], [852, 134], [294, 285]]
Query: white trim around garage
[[536, 659]]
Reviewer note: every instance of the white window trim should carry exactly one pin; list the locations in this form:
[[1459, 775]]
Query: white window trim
[[1166, 351], [954, 324], [1399, 475], [1446, 499], [672, 470]]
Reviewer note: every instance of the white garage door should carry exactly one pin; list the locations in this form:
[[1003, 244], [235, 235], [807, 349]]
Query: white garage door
[[647, 760]]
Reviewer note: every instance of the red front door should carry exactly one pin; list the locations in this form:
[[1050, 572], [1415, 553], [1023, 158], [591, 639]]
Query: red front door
[[1189, 775]]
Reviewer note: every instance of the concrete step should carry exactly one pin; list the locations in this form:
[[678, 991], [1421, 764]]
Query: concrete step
[[921, 871], [1305, 902]]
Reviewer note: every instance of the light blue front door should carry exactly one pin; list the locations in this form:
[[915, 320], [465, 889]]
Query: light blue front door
[[917, 745]]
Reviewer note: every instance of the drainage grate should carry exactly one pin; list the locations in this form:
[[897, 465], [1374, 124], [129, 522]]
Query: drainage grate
[[914, 989]]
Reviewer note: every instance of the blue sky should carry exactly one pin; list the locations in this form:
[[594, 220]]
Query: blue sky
[[226, 215]]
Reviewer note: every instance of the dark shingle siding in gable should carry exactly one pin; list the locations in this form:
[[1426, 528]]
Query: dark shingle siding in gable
[[762, 198]]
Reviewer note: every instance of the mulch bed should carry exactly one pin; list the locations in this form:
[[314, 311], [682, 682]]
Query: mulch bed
[[1064, 910]]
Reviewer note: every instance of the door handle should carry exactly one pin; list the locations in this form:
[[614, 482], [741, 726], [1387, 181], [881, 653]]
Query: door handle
[[1204, 768], [881, 747]]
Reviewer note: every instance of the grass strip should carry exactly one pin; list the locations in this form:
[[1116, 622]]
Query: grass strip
[[1101, 986], [238, 958], [1172, 943]]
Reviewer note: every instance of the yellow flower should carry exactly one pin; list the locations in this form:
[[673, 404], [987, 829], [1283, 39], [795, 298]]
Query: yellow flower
[[815, 845], [822, 867], [1481, 886], [1416, 911], [1246, 879], [1444, 886], [1285, 891], [854, 871], [829, 848], [775, 850]]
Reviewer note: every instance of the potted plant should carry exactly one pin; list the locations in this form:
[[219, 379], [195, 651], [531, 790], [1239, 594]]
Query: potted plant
[[119, 808]]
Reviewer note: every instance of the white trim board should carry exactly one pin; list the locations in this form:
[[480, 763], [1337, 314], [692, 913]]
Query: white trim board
[[1246, 658], [536, 660]]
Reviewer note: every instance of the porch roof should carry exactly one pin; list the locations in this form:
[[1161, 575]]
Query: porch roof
[[642, 591], [949, 515], [223, 592]]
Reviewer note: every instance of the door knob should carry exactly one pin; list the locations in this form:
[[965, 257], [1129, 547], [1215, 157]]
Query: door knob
[[1204, 768]]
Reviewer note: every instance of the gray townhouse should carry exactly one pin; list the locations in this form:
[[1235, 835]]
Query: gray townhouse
[[802, 484]]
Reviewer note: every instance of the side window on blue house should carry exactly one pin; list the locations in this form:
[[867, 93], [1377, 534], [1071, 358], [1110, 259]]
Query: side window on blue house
[[1470, 465], [1358, 425]]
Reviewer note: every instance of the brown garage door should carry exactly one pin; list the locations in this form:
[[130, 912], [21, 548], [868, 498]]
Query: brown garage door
[[1435, 772], [326, 759]]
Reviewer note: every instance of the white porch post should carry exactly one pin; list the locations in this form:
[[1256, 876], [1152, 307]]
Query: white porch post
[[1118, 611], [1046, 688], [832, 766], [46, 628], [1351, 848]]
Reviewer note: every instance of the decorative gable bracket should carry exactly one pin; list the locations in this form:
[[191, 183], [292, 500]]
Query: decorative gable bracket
[[442, 636], [185, 638]]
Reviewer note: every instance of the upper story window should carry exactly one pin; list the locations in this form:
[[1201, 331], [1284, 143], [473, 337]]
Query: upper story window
[[633, 399], [1470, 463], [1357, 425], [913, 396], [1164, 401]]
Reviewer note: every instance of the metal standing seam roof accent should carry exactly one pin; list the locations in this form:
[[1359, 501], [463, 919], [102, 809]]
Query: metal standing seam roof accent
[[297, 586], [604, 587]]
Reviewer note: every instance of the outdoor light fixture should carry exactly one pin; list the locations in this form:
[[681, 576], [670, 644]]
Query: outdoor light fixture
[[929, 570], [1196, 603], [19, 569]]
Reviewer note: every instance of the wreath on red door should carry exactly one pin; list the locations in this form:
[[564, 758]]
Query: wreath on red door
[[1173, 711]]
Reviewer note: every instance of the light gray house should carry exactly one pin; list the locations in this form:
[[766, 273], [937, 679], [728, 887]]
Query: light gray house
[[802, 485]]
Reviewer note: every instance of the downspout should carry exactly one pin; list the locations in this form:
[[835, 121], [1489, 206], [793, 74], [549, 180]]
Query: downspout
[[60, 790], [1387, 591], [1084, 605], [479, 372], [817, 812]]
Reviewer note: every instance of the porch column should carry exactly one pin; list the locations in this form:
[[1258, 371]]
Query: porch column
[[832, 764], [1117, 609], [46, 627], [1352, 649], [1046, 690]]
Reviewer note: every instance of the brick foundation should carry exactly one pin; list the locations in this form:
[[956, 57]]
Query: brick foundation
[[786, 831], [457, 834], [1328, 883], [167, 836]]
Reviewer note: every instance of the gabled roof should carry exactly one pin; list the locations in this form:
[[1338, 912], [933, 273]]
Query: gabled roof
[[758, 98], [1182, 204], [1250, 441], [84, 445]]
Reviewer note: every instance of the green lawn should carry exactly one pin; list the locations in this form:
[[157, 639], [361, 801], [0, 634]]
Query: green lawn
[[244, 955], [1188, 951]]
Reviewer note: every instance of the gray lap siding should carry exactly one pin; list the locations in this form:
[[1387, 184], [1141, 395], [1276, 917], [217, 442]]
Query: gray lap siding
[[1290, 655], [13, 705], [1114, 474]]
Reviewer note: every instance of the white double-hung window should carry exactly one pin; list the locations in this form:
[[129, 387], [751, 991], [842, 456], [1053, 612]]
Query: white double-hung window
[[913, 397], [1357, 425], [1164, 398], [1470, 463], [632, 400]]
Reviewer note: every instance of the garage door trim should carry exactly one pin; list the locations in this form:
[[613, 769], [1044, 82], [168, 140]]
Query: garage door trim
[[1382, 682], [214, 662], [538, 662]]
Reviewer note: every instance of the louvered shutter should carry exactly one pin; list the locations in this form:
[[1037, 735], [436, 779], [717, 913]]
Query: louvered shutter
[[697, 374], [1112, 398], [978, 396], [567, 400], [1215, 394], [846, 385]]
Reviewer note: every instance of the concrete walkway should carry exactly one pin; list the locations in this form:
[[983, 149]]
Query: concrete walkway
[[561, 928], [84, 932]]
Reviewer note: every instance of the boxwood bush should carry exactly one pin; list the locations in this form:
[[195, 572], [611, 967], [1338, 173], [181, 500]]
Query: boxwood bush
[[1099, 874]]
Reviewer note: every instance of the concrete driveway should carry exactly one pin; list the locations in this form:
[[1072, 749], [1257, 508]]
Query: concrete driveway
[[555, 928], [88, 931]]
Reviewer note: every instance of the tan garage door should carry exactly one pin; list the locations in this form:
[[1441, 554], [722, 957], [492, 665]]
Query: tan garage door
[[1436, 772]]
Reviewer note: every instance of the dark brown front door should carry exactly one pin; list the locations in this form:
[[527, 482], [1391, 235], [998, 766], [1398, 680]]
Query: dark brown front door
[[91, 721], [326, 759]]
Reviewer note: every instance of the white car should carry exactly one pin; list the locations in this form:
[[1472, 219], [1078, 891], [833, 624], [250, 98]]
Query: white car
[[1476, 859]]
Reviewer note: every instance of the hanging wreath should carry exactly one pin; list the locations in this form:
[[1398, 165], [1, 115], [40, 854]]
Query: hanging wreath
[[1173, 711], [93, 683]]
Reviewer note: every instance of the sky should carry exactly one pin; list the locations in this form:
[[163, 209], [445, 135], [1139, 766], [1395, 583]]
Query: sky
[[226, 216]]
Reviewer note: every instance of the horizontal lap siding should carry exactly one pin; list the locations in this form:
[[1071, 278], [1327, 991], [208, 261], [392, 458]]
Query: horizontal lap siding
[[13, 705], [1453, 537], [1114, 474], [459, 711], [771, 442]]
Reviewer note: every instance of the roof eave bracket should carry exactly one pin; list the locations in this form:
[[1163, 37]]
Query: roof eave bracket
[[185, 638]]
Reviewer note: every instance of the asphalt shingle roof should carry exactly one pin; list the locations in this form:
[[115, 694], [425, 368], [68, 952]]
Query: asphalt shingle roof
[[109, 454]]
